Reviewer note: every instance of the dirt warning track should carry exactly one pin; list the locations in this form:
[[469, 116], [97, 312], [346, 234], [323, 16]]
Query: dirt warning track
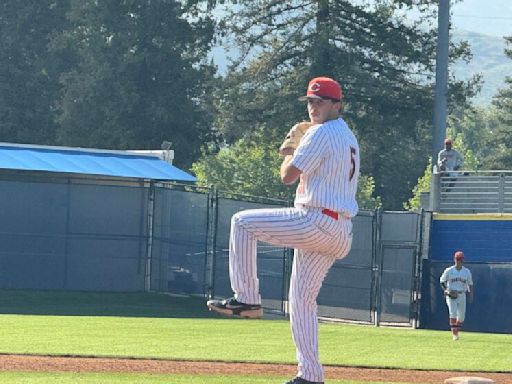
[[93, 364]]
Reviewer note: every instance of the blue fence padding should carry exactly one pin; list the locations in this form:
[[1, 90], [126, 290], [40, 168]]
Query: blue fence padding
[[72, 236], [481, 240]]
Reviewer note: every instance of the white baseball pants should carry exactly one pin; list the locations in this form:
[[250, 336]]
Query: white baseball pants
[[318, 241], [457, 307]]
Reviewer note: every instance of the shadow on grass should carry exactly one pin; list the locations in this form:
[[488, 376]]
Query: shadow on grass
[[75, 303]]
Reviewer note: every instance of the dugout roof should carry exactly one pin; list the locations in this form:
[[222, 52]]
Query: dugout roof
[[87, 161]]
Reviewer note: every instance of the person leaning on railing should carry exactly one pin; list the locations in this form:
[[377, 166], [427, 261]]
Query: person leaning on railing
[[449, 159]]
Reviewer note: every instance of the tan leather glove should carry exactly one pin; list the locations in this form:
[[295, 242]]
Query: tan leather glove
[[452, 294], [293, 137]]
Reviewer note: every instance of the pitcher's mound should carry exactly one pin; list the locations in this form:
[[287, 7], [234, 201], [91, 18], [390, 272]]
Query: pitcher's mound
[[468, 380]]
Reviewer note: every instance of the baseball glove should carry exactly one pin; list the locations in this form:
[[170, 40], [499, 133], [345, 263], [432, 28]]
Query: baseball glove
[[452, 294], [293, 137]]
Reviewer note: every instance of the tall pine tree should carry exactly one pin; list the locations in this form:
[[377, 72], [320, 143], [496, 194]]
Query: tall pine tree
[[384, 63], [28, 72], [500, 141], [138, 75]]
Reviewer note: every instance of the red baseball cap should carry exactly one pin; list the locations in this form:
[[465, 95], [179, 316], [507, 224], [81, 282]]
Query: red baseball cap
[[448, 141], [323, 88], [459, 255]]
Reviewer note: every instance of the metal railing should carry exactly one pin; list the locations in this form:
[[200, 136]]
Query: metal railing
[[471, 192]]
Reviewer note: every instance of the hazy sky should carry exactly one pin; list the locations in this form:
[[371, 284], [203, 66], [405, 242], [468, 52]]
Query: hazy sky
[[490, 17]]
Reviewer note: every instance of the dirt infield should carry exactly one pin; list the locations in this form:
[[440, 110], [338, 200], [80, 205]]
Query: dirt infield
[[89, 364]]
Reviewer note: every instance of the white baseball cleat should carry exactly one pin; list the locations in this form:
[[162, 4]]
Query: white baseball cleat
[[455, 337]]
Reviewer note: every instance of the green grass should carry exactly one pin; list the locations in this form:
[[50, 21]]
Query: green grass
[[136, 304], [243, 340], [163, 327], [130, 378]]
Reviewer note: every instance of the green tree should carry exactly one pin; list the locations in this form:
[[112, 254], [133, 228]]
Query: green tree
[[28, 72], [138, 75], [500, 139], [247, 167], [423, 186], [385, 66], [475, 126]]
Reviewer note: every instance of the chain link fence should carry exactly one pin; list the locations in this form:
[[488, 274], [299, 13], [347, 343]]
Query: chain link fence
[[72, 233]]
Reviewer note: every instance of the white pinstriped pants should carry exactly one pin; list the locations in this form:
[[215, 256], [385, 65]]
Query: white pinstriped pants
[[318, 241]]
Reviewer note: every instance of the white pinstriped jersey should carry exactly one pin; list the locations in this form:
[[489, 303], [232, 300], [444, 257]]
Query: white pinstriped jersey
[[457, 280], [328, 156]]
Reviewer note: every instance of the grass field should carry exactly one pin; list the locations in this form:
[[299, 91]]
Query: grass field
[[96, 378], [164, 327]]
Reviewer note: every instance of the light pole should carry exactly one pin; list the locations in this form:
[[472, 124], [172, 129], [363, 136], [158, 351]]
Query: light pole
[[441, 89]]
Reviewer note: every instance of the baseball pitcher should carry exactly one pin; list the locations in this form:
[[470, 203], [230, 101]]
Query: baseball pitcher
[[323, 155]]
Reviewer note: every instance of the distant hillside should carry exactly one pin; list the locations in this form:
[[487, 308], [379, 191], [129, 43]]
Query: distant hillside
[[489, 60], [490, 17]]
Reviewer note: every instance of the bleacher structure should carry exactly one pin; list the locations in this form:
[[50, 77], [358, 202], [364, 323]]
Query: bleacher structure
[[471, 192]]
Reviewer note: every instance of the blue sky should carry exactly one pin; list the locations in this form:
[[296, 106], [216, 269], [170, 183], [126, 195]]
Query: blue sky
[[489, 17]]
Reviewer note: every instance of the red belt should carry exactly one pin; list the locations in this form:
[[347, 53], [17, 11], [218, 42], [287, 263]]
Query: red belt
[[330, 213]]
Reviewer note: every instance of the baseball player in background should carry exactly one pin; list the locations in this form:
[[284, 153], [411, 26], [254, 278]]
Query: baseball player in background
[[326, 163], [457, 282]]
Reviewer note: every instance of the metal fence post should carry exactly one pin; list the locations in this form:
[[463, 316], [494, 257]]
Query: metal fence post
[[149, 244], [434, 191], [377, 267], [288, 254], [415, 305], [501, 193], [213, 205], [207, 278], [67, 233]]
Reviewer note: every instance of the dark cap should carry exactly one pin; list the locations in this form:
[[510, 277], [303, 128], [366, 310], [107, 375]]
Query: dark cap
[[323, 88]]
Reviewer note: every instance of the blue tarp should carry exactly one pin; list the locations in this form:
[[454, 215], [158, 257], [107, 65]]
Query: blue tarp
[[88, 161]]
